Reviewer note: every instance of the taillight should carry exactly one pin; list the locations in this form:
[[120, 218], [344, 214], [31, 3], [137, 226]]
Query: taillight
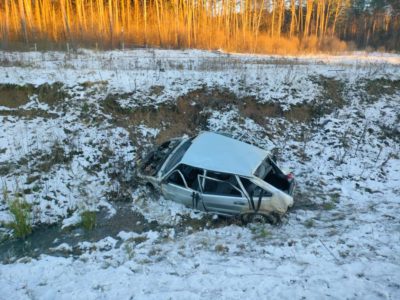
[[289, 176]]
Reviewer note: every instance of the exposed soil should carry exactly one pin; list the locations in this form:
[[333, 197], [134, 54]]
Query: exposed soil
[[189, 114], [14, 96], [28, 114]]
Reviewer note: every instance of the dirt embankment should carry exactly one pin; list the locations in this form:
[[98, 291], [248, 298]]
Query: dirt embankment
[[190, 112]]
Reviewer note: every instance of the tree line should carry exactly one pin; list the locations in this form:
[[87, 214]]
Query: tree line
[[265, 26]]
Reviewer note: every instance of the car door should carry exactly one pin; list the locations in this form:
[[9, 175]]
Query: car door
[[222, 196], [255, 193], [174, 188]]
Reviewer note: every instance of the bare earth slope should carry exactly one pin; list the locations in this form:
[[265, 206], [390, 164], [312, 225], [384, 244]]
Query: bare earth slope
[[73, 124]]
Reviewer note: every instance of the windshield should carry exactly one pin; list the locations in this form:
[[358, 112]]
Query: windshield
[[177, 156]]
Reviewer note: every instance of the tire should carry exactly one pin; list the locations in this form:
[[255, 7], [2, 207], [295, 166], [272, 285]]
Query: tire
[[260, 218]]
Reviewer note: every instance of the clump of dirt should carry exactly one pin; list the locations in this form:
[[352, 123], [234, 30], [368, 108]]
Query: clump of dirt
[[14, 95]]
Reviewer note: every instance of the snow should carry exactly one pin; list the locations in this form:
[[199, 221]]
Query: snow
[[341, 239], [185, 270], [161, 210]]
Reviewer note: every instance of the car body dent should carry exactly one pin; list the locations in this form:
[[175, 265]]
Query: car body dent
[[162, 169], [277, 201]]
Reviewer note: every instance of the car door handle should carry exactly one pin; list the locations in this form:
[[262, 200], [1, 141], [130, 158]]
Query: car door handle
[[239, 203]]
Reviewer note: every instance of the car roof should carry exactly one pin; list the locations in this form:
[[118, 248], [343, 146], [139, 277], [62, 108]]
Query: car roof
[[219, 153]]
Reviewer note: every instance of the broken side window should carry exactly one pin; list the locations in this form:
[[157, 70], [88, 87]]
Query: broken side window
[[253, 189], [176, 178], [190, 174], [230, 178], [217, 187]]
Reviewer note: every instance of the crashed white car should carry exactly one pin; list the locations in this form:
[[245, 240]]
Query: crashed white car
[[216, 173]]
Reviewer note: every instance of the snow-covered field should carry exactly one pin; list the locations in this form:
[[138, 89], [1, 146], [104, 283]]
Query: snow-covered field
[[73, 124]]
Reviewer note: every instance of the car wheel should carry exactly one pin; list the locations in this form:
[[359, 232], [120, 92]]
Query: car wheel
[[260, 218]]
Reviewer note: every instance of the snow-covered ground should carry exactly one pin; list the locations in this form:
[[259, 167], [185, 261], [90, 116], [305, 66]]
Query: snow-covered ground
[[73, 125]]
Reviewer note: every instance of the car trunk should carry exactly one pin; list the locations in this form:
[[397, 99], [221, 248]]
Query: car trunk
[[275, 177]]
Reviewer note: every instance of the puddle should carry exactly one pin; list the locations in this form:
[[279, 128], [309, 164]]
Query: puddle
[[44, 238]]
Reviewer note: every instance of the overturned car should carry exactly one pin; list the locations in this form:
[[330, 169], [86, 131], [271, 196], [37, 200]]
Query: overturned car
[[216, 173]]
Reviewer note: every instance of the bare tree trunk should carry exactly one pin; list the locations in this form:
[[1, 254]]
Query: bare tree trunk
[[158, 23], [23, 19], [7, 26], [322, 19], [281, 4], [341, 5], [91, 17], [293, 17], [145, 21], [273, 18], [111, 22], [176, 12], [28, 13], [317, 16], [257, 29], [193, 21], [328, 16], [308, 17], [300, 18], [137, 13], [65, 19]]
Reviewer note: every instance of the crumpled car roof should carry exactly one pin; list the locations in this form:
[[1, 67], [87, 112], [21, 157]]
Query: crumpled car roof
[[219, 153]]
